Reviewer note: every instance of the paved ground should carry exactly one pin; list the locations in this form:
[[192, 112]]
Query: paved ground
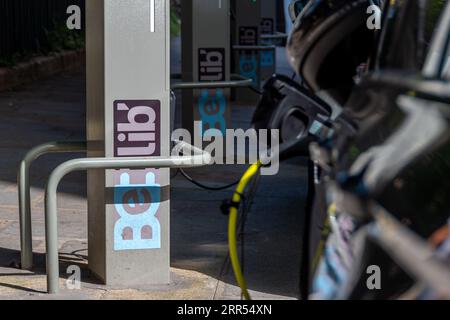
[[54, 110]]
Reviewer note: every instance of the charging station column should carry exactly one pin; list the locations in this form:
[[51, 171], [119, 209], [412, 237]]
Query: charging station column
[[246, 32], [206, 58], [268, 29], [268, 16], [128, 115]]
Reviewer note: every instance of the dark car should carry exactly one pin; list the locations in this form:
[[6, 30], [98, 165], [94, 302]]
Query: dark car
[[388, 164]]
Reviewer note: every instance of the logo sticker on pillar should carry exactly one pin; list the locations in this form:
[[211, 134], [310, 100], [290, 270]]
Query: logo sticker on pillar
[[211, 64], [267, 26], [137, 199], [137, 128], [248, 67], [268, 59], [248, 59], [137, 193], [212, 103], [248, 36]]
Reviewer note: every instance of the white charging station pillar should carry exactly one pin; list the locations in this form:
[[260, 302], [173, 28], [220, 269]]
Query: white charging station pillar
[[206, 58], [128, 115], [268, 16], [246, 32], [268, 28]]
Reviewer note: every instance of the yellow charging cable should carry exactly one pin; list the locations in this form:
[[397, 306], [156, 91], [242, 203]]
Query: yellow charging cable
[[232, 226]]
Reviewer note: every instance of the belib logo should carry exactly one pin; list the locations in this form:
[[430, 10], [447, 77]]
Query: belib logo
[[137, 130]]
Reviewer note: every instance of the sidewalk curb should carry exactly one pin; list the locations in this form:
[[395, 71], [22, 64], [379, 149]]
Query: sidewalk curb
[[40, 68]]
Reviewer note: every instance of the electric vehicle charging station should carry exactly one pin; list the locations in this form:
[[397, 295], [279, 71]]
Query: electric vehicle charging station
[[128, 112], [269, 37], [128, 115], [246, 38], [268, 16], [206, 58]]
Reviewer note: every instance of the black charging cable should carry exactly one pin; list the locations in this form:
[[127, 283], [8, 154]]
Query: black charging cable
[[209, 188]]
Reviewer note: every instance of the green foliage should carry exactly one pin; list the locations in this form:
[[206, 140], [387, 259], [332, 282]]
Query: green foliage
[[5, 62], [12, 60], [57, 40], [175, 24], [61, 38]]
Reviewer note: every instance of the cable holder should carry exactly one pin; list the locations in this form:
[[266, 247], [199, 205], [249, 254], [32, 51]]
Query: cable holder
[[227, 204]]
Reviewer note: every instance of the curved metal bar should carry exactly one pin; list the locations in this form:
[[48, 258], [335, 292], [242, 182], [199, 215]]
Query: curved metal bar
[[23, 181], [240, 82], [254, 48], [201, 158], [275, 36]]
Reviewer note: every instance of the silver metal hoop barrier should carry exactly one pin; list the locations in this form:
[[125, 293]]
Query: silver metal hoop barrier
[[237, 82], [23, 179], [200, 158]]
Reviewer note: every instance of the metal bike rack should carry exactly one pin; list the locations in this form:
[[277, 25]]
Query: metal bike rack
[[275, 36], [26, 240], [239, 82], [254, 48], [200, 158]]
